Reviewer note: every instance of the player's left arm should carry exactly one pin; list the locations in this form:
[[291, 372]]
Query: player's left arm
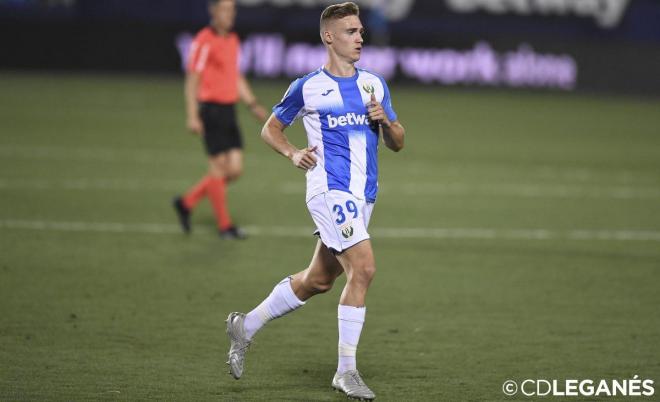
[[393, 131], [247, 96]]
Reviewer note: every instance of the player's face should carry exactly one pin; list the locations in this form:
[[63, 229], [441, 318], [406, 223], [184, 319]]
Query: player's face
[[223, 14], [347, 37]]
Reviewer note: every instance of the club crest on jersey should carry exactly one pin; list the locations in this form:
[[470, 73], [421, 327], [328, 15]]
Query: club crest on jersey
[[369, 88], [347, 231]]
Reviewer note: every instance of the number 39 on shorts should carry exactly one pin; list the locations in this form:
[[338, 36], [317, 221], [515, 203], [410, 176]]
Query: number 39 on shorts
[[339, 210]]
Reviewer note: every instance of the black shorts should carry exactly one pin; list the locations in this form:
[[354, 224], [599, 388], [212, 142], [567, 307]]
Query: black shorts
[[221, 132]]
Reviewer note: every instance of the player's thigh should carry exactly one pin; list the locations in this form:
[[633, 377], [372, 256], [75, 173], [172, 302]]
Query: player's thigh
[[323, 269], [358, 261], [234, 161], [217, 164], [324, 263]]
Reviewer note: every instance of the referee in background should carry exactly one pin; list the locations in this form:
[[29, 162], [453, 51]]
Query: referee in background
[[213, 86]]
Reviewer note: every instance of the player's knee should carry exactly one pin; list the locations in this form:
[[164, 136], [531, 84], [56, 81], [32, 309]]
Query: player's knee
[[369, 271], [216, 171], [316, 284], [363, 273], [234, 173], [321, 285]]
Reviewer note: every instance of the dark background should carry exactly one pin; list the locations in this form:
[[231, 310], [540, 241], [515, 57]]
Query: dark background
[[139, 36]]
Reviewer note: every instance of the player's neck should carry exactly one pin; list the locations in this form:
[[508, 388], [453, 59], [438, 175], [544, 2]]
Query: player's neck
[[219, 31], [339, 68]]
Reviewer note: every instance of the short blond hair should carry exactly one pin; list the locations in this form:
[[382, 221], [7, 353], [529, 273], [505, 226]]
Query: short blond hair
[[338, 11]]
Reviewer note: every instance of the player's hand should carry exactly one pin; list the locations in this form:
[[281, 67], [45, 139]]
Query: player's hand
[[304, 158], [259, 112], [377, 113], [195, 126]]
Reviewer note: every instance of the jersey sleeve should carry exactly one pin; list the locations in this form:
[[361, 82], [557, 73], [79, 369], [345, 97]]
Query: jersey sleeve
[[199, 53], [387, 102], [291, 104]]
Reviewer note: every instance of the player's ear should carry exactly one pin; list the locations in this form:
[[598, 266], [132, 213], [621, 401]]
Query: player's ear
[[326, 37]]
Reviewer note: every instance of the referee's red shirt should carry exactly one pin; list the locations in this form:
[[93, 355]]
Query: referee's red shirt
[[215, 58]]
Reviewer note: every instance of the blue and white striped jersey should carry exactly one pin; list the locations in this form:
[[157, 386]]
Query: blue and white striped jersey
[[334, 114]]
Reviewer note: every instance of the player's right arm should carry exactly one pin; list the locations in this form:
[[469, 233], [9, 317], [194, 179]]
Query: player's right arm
[[273, 134], [198, 56], [191, 86], [284, 113]]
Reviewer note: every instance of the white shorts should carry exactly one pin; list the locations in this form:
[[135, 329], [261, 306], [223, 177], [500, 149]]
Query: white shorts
[[341, 219]]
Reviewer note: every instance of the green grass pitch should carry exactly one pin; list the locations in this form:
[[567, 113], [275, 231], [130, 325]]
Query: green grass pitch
[[517, 236]]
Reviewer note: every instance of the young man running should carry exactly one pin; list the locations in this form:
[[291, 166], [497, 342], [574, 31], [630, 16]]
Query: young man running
[[213, 87], [344, 111]]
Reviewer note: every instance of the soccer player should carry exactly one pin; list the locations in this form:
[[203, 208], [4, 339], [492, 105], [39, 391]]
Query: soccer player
[[212, 88], [344, 110]]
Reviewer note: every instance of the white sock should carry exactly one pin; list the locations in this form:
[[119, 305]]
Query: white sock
[[350, 322], [281, 301]]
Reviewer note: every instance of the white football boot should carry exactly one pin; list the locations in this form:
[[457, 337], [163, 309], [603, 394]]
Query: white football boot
[[352, 385], [239, 344]]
